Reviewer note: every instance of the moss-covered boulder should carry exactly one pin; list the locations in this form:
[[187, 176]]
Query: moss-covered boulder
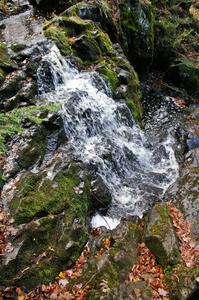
[[6, 64], [57, 231], [15, 122], [160, 236], [137, 22], [111, 269], [185, 74]]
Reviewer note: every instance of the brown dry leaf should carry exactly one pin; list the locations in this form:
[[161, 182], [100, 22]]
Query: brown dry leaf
[[107, 243]]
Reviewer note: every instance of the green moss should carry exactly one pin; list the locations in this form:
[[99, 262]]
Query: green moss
[[104, 41], [38, 197], [127, 16], [10, 122], [185, 73], [2, 75], [57, 34], [5, 61], [110, 76], [35, 149], [161, 226], [176, 279], [44, 251], [136, 109]]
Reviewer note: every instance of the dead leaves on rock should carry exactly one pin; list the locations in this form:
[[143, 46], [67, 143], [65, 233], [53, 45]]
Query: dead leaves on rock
[[148, 271], [152, 274], [188, 249], [58, 290]]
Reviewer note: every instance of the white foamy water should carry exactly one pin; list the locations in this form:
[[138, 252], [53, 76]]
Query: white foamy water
[[137, 169]]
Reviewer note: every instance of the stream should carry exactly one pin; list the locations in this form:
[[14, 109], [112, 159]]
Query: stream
[[136, 166]]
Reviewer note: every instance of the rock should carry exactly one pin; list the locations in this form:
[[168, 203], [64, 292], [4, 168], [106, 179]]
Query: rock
[[184, 193], [12, 85], [34, 150], [100, 13], [185, 74], [87, 48], [137, 22], [112, 268], [160, 236], [49, 5], [185, 287], [6, 64], [57, 232], [100, 195]]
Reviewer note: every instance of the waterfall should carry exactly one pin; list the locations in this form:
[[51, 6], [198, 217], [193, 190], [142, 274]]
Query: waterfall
[[136, 167]]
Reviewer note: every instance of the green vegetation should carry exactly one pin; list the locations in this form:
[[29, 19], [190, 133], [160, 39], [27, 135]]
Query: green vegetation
[[11, 122]]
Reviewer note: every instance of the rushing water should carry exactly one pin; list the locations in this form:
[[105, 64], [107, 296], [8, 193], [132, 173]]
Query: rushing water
[[136, 167]]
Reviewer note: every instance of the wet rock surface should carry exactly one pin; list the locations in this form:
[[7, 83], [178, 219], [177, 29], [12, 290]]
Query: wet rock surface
[[185, 192]]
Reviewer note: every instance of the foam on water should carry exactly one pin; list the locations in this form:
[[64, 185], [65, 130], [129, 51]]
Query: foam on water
[[136, 167]]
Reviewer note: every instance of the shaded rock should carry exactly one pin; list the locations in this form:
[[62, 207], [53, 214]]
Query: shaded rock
[[6, 64], [137, 22], [35, 149], [100, 195], [49, 5], [87, 49], [184, 193], [160, 236], [12, 85], [184, 74]]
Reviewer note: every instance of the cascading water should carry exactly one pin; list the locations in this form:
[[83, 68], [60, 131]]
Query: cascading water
[[136, 167]]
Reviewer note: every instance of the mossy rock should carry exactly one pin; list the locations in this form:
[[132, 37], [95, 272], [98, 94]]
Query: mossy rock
[[137, 22], [44, 246], [99, 12], [184, 74], [112, 268], [181, 282], [35, 149], [160, 236], [6, 64], [57, 34], [12, 122], [38, 197]]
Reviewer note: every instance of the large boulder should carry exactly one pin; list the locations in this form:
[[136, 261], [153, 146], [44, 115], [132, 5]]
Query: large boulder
[[160, 236], [107, 274], [50, 219]]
